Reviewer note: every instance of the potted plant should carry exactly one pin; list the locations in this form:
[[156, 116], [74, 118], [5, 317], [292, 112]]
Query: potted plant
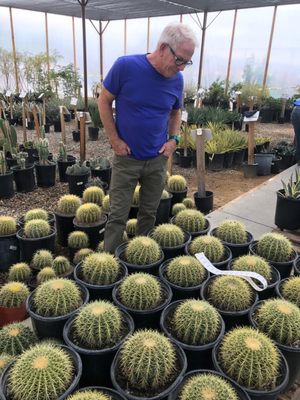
[[289, 289], [177, 186], [23, 174], [64, 160], [45, 169], [164, 208], [287, 152], [101, 168], [77, 240], [77, 176], [96, 393], [19, 272], [130, 228], [16, 338], [191, 221], [41, 258], [6, 179], [95, 117], [37, 213], [62, 267], [5, 359], [64, 215], [9, 245], [81, 254], [93, 194], [13, 296]]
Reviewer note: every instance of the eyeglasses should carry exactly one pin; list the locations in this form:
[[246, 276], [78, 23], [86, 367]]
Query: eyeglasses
[[179, 61]]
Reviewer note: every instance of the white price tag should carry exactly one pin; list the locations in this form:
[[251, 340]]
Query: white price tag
[[13, 248], [73, 101], [8, 93], [184, 116], [253, 117], [23, 94], [79, 183]]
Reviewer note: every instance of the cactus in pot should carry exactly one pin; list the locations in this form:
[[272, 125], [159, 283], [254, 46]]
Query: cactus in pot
[[190, 220], [177, 207], [42, 258], [131, 227], [8, 225], [20, 272], [88, 213], [188, 202], [45, 274], [68, 204], [93, 194], [185, 271], [78, 240], [81, 254], [37, 228], [274, 247], [168, 235], [254, 264], [5, 359], [291, 290], [176, 183], [89, 395], [106, 204], [232, 231], [61, 265], [211, 246], [15, 338], [13, 294], [36, 213], [100, 269], [142, 250]]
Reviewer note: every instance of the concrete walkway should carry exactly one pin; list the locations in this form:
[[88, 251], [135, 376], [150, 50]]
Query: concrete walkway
[[256, 208]]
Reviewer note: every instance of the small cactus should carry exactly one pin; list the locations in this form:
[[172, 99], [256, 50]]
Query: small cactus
[[188, 202], [81, 254], [78, 240], [176, 183], [89, 395], [45, 274], [254, 264], [168, 235], [232, 231], [88, 213], [142, 250], [249, 357], [37, 373], [93, 194], [230, 293], [140, 291], [42, 258], [37, 228], [274, 247], [291, 290], [100, 269], [190, 220], [5, 359], [280, 320], [61, 265], [68, 204], [177, 207], [20, 272], [185, 271], [211, 246], [15, 338], [100, 247], [98, 325], [196, 322], [36, 213], [131, 227], [148, 360], [106, 204], [165, 195], [8, 225], [13, 294], [136, 196], [57, 297]]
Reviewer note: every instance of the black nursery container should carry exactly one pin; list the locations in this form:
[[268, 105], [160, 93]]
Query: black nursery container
[[7, 185], [103, 174], [77, 183], [287, 212], [9, 250], [28, 246], [64, 226], [237, 249], [94, 231], [63, 165], [164, 210], [24, 178]]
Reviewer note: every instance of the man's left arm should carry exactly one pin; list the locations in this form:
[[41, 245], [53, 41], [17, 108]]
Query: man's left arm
[[173, 130]]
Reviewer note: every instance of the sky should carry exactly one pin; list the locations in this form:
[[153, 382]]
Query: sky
[[250, 45]]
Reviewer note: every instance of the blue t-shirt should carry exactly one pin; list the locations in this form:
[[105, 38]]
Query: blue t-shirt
[[144, 99]]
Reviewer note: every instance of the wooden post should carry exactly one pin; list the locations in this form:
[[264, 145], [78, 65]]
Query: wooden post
[[74, 46], [44, 111], [251, 103], [200, 154], [202, 48], [230, 52], [238, 103], [24, 121], [47, 45], [185, 133], [269, 50], [62, 124], [251, 143], [82, 136], [11, 107], [36, 121], [14, 48]]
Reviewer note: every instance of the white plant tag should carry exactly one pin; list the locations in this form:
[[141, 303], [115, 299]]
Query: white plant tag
[[14, 248], [23, 95], [8, 93], [79, 183], [73, 101], [184, 116]]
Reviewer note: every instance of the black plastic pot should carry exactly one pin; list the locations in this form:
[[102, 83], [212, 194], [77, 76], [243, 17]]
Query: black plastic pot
[[7, 185], [287, 160], [31, 152], [76, 136], [297, 267], [287, 212], [64, 226], [98, 292], [63, 165], [103, 174], [112, 394], [205, 203], [221, 264], [51, 327], [228, 159], [185, 161], [177, 197], [145, 318], [93, 133], [264, 161], [198, 357], [57, 126], [94, 231], [267, 115], [238, 157], [77, 183], [250, 170], [24, 178], [163, 210], [28, 246], [36, 157], [96, 363], [45, 174], [275, 167], [215, 162], [11, 162], [237, 249], [9, 250], [171, 252]]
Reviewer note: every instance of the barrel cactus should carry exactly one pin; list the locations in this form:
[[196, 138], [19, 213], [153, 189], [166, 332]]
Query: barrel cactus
[[254, 264], [249, 357], [37, 228], [176, 183], [100, 247], [148, 360], [42, 258], [211, 246], [106, 204], [45, 274], [177, 207], [13, 294], [140, 291], [190, 220], [188, 202], [185, 271], [136, 196], [93, 194], [8, 225], [131, 227], [57, 297], [98, 325], [291, 290], [165, 195], [89, 395], [37, 373], [5, 359], [274, 247], [142, 250], [36, 213], [68, 204], [100, 269], [81, 254], [88, 213], [15, 338], [196, 322], [78, 240], [61, 265], [20, 272], [168, 235], [230, 293], [232, 231]]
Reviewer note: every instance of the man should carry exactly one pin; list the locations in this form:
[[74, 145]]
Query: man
[[295, 117], [148, 94]]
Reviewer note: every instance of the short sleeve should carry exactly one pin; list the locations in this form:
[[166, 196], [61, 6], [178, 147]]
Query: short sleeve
[[112, 81], [178, 102]]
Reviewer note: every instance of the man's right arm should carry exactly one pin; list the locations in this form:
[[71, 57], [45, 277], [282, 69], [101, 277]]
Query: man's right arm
[[105, 101]]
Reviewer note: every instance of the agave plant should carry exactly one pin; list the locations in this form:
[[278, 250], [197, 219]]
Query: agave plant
[[291, 189]]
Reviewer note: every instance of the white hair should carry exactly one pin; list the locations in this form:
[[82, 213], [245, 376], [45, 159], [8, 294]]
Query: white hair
[[176, 33]]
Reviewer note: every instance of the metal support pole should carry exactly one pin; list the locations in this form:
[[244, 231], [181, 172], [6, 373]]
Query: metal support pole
[[269, 50], [202, 48], [83, 4], [47, 44], [74, 47], [230, 52], [14, 49], [148, 34]]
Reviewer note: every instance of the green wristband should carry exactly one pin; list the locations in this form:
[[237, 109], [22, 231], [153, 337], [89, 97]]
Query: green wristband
[[174, 137]]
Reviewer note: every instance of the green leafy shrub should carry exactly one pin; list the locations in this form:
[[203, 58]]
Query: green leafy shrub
[[42, 258], [190, 220], [291, 290], [8, 225], [13, 294], [15, 338], [142, 250], [274, 247], [20, 272], [232, 231], [37, 228], [94, 195], [100, 269], [211, 246], [185, 271], [68, 204], [78, 240], [168, 235], [254, 264]]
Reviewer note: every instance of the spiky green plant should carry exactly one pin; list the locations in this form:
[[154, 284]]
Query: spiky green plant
[[8, 225], [89, 395], [140, 291], [78, 240], [207, 386], [177, 207], [196, 322], [232, 231], [100, 269], [291, 290], [45, 274], [165, 195], [13, 294], [106, 204], [249, 357], [136, 196], [93, 194], [81, 254], [188, 202], [230, 293], [211, 246], [168, 235], [88, 213], [61, 265], [78, 169], [254, 264], [57, 297], [280, 320], [37, 228], [5, 359], [148, 360], [100, 247], [37, 373], [131, 226], [185, 271], [98, 325], [190, 220], [274, 247], [36, 213], [68, 204], [20, 272], [142, 250], [42, 258], [176, 183], [15, 338]]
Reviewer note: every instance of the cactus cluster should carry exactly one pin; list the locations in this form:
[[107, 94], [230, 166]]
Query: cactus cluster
[[36, 213], [78, 240], [20, 272], [106, 204], [140, 291], [254, 264], [57, 297], [42, 258], [100, 269], [232, 231], [196, 322], [45, 274], [291, 290], [131, 227], [81, 254], [142, 250], [42, 146], [207, 386], [188, 202], [148, 360], [168, 235], [274, 247], [15, 338], [88, 213], [68, 204], [78, 169], [93, 194], [37, 373], [230, 293], [8, 225], [89, 395], [211, 246], [176, 183], [185, 271], [37, 228], [98, 325], [5, 359], [61, 265], [190, 220], [177, 207], [249, 357], [13, 294], [280, 320]]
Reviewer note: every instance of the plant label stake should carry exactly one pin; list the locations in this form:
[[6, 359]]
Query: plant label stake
[[201, 136], [184, 118], [82, 118], [251, 119], [36, 121], [73, 102]]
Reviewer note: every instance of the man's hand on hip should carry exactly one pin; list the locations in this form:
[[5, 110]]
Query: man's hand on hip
[[120, 147], [168, 148]]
